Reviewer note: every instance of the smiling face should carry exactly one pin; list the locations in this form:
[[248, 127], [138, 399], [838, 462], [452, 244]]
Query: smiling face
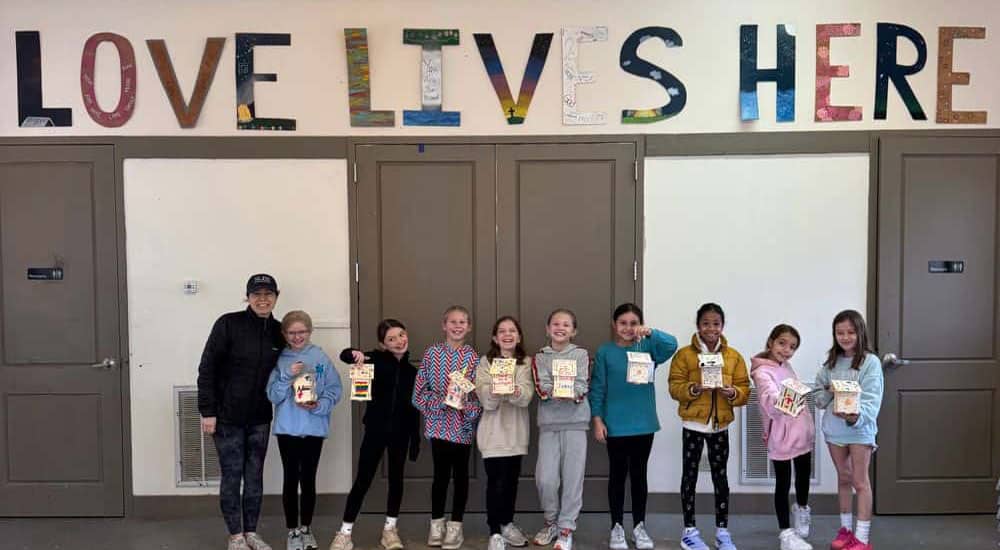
[[560, 330], [625, 327], [396, 341], [456, 327], [262, 302], [846, 336], [507, 337], [782, 348], [710, 328], [297, 335]]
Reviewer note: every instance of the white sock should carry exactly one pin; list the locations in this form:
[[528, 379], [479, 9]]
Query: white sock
[[346, 528], [304, 529], [389, 522], [864, 527], [846, 520]]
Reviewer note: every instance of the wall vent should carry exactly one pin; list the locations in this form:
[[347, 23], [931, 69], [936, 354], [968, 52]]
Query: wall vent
[[755, 468], [197, 461]]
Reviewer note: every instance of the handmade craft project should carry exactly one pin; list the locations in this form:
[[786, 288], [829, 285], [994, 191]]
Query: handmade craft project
[[846, 396], [825, 72], [948, 78], [362, 378], [502, 375], [246, 112], [887, 69], [711, 370], [304, 387], [30, 112], [430, 42], [563, 378], [187, 113], [458, 386], [640, 368], [127, 86], [514, 112], [792, 398], [572, 37], [783, 75], [631, 63], [359, 83]]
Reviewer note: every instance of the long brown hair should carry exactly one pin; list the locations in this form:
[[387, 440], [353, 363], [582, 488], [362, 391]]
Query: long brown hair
[[861, 349], [776, 333], [519, 353]]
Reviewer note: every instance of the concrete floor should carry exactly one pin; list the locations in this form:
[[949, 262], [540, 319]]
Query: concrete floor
[[749, 531]]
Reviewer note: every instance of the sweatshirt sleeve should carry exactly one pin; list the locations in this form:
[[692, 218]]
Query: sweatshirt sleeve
[[581, 384], [741, 383], [541, 371], [664, 346], [347, 355], [332, 389], [488, 401], [872, 383], [212, 357], [678, 381], [767, 393], [279, 385], [472, 408], [823, 397], [425, 399], [599, 386], [522, 379]]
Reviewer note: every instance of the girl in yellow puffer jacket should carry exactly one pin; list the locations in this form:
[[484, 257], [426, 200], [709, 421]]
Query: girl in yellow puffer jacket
[[706, 410]]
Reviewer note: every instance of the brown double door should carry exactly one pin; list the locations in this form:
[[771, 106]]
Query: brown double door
[[61, 450], [938, 305], [501, 229]]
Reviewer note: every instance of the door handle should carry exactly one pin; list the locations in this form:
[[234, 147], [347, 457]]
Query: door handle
[[890, 360], [107, 364]]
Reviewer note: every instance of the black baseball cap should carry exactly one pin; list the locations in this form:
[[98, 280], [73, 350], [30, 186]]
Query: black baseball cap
[[261, 281]]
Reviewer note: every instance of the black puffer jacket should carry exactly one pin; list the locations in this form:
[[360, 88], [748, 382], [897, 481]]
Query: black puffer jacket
[[238, 358], [391, 409]]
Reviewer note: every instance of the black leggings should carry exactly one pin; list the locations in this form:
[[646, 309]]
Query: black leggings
[[783, 482], [718, 457], [502, 475], [299, 460], [373, 447], [451, 460], [628, 457]]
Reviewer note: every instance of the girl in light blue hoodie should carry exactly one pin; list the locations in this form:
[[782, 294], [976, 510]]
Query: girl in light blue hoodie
[[301, 421]]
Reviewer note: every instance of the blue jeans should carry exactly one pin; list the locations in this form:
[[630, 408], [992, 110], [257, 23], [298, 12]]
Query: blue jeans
[[241, 458]]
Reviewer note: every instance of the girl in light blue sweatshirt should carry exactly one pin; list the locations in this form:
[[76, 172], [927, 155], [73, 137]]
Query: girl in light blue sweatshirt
[[851, 437], [301, 421]]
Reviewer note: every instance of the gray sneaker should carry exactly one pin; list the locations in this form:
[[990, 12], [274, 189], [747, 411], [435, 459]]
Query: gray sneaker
[[546, 534], [237, 543], [617, 540], [513, 535], [497, 543], [294, 540], [308, 540], [641, 537], [255, 542]]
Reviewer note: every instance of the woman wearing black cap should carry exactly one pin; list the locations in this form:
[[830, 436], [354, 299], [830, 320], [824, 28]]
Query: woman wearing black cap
[[232, 378]]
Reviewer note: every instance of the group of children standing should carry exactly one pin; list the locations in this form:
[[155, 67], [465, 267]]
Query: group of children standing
[[464, 397]]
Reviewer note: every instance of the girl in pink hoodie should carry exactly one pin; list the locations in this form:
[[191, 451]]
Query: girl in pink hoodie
[[790, 439]]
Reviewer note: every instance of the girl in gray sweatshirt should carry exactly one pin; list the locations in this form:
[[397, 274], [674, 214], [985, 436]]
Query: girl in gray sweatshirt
[[563, 419]]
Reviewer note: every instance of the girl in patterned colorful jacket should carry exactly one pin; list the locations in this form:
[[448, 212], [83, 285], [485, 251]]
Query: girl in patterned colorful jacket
[[444, 392]]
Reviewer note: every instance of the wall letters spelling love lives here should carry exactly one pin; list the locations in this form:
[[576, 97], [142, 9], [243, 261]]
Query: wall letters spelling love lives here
[[31, 112]]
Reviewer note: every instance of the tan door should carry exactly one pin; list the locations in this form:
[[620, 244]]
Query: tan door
[[61, 443], [426, 224], [566, 238], [939, 446]]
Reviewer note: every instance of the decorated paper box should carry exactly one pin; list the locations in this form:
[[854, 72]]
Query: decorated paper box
[[640, 368], [458, 386], [563, 378], [502, 375], [362, 378], [711, 370], [792, 398], [304, 386], [846, 396]]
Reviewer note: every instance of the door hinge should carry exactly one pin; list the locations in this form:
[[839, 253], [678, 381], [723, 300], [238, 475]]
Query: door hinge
[[356, 273], [635, 270], [635, 171], [355, 173]]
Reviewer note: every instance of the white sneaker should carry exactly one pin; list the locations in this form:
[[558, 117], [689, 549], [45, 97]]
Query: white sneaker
[[546, 534], [342, 542], [513, 535], [790, 540], [617, 540], [497, 543], [803, 518], [294, 541], [390, 539], [255, 542], [237, 543], [308, 540], [435, 535], [641, 537], [565, 540], [453, 537]]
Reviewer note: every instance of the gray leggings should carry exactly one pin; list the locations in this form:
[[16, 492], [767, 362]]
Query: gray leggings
[[241, 458]]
